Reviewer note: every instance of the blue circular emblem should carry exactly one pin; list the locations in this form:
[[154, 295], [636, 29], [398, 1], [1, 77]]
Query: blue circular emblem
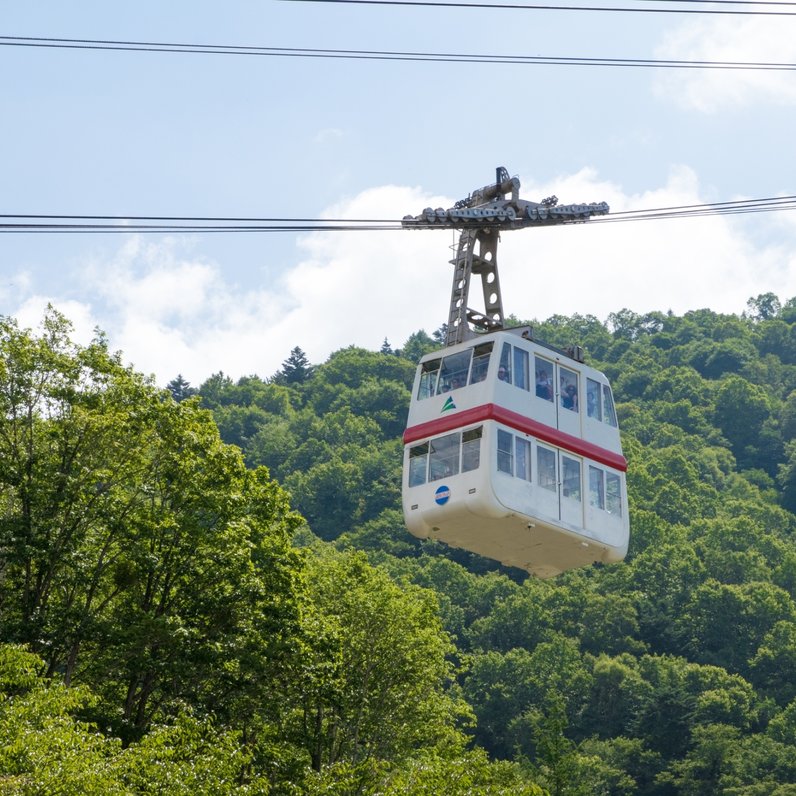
[[442, 495]]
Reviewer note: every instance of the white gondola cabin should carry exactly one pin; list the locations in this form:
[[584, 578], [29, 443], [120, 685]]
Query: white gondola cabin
[[512, 451]]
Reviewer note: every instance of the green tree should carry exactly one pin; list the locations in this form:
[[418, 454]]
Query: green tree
[[216, 390], [180, 388], [296, 369], [74, 424], [626, 767], [352, 367], [372, 681], [556, 764], [382, 400], [724, 624], [662, 578], [418, 345], [329, 495], [786, 477], [189, 757], [45, 748], [741, 410], [463, 775], [764, 307], [507, 691], [139, 554], [702, 769], [617, 696], [773, 667]]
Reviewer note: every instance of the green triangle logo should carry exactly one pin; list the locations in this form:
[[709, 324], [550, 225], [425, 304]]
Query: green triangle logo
[[448, 404]]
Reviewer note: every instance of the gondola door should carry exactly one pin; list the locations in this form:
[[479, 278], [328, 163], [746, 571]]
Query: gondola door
[[559, 482]]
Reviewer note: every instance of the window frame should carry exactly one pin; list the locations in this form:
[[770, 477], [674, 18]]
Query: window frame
[[569, 378], [520, 361], [443, 458], [470, 436], [613, 497], [597, 487], [415, 452], [522, 454], [594, 390], [543, 468], [541, 387], [609, 408], [577, 493], [429, 377], [505, 451], [505, 363], [482, 354], [458, 373]]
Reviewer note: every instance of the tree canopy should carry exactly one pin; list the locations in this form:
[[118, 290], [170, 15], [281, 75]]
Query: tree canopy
[[211, 590]]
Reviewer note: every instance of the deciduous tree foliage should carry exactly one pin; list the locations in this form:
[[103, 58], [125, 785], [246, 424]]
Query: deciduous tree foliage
[[140, 555], [46, 749], [374, 670]]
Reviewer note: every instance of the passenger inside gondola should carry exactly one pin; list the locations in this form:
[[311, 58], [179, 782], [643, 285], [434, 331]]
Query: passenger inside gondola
[[479, 371], [544, 387], [593, 399], [569, 389], [570, 398], [481, 354]]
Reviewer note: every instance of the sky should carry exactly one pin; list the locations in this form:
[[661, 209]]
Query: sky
[[104, 132]]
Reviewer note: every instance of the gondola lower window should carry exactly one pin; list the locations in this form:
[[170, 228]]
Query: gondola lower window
[[445, 456], [546, 467], [513, 455], [605, 490]]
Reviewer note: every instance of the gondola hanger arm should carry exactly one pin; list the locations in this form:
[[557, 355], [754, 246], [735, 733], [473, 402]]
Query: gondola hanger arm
[[485, 213]]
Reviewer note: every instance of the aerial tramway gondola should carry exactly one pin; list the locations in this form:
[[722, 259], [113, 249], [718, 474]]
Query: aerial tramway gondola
[[512, 447]]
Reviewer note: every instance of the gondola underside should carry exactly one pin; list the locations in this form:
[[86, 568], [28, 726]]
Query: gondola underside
[[537, 545]]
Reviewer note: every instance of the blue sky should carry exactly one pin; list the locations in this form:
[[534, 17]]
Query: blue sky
[[118, 133]]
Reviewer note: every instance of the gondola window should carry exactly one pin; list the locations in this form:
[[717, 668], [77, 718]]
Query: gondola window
[[596, 487], [443, 460], [570, 480], [505, 459], [546, 467], [418, 461], [522, 458], [471, 449]]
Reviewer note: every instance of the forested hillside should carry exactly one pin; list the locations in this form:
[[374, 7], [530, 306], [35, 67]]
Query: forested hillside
[[210, 590]]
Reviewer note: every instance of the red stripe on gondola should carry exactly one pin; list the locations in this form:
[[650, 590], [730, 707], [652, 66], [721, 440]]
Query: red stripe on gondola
[[478, 414]]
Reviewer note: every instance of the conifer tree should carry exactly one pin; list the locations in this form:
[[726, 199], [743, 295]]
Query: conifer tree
[[180, 388], [296, 369]]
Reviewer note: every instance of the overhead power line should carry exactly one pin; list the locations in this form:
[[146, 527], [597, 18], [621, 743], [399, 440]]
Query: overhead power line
[[659, 9], [389, 55], [84, 224]]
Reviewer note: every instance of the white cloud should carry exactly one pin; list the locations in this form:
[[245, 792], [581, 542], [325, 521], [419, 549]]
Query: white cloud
[[31, 311], [650, 265], [168, 289], [361, 287], [328, 134], [734, 39], [170, 313]]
